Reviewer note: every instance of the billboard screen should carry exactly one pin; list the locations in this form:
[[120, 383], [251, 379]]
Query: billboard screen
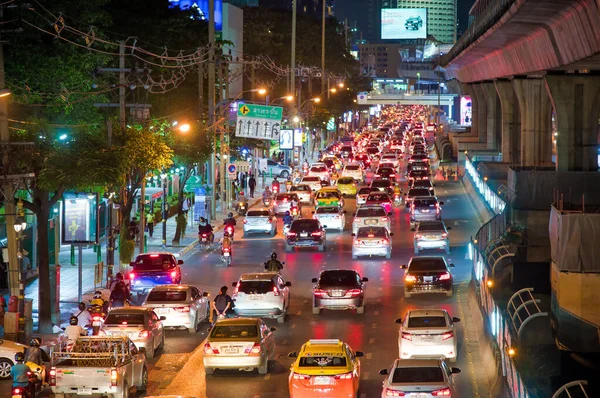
[[403, 23], [286, 139], [466, 110]]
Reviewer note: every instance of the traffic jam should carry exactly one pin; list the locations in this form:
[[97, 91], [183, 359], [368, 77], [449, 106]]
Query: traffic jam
[[386, 170]]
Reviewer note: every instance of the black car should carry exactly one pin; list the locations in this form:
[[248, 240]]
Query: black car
[[418, 175], [422, 184], [306, 233], [386, 173], [427, 275], [383, 186], [413, 193], [339, 289], [417, 166], [418, 157], [364, 159]]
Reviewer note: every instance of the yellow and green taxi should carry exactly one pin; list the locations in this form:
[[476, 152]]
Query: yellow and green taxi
[[346, 185], [325, 368], [329, 196]]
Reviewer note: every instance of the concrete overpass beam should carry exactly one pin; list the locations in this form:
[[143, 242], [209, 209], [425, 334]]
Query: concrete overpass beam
[[481, 117], [576, 101], [511, 122], [494, 116], [536, 121]]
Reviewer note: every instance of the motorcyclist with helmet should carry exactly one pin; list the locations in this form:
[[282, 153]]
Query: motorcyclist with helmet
[[275, 186], [205, 228], [273, 265], [287, 218], [230, 222], [266, 196], [35, 356], [74, 331], [241, 199], [19, 371]]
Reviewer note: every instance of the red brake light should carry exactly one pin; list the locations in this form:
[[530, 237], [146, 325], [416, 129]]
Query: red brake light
[[17, 391], [392, 175], [444, 235], [52, 376], [182, 309], [298, 376], [385, 241], [447, 335], [173, 274], [113, 377], [318, 233], [320, 293], [131, 275], [370, 236], [377, 175], [209, 350], [393, 393], [410, 278], [275, 291], [354, 292], [384, 219], [204, 235], [144, 333], [154, 255], [96, 318], [444, 392], [406, 336], [291, 233], [343, 376], [255, 349], [444, 277]]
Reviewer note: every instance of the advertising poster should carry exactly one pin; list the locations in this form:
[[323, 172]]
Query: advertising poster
[[297, 137], [466, 110], [403, 23], [286, 139], [80, 218]]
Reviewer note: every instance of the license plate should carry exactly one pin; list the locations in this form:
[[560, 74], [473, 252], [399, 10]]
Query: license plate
[[256, 297], [162, 310], [431, 237], [428, 279], [370, 222], [226, 254], [425, 211], [203, 239], [84, 391], [303, 234], [418, 395], [321, 380], [231, 350], [427, 339], [336, 294], [16, 396]]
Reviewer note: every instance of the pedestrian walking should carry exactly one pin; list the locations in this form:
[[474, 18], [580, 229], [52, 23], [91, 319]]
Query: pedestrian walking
[[134, 230], [150, 223], [252, 185]]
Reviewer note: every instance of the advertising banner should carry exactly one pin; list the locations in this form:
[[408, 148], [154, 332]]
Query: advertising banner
[[80, 218], [403, 23], [297, 137], [286, 139], [466, 110]]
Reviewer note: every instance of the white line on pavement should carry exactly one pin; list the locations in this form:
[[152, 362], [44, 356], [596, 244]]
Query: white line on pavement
[[369, 355], [365, 377], [371, 340], [376, 312]]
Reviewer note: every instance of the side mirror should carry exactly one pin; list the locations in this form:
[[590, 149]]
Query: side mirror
[[455, 370], [179, 262], [163, 318], [455, 319], [288, 284], [234, 284], [441, 203], [353, 234], [383, 372], [132, 264], [359, 354], [312, 212], [451, 265], [314, 280], [205, 294], [365, 279], [293, 354], [399, 320], [273, 329], [391, 234], [448, 228], [345, 212], [324, 226]]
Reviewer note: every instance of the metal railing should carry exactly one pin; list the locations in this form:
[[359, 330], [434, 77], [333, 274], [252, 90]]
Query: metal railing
[[573, 389], [491, 197], [527, 305]]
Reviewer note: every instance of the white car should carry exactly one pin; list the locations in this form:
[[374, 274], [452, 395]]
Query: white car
[[313, 182], [355, 171], [319, 170], [362, 195], [390, 158], [240, 343], [427, 333], [183, 306], [142, 325], [430, 377], [333, 217], [8, 349], [304, 193], [262, 221], [371, 216], [262, 294], [372, 241]]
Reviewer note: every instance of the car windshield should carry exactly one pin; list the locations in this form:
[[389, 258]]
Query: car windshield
[[418, 192], [371, 212], [284, 196], [311, 179], [258, 213], [386, 170], [124, 319], [154, 262], [327, 210], [300, 188], [327, 195], [425, 202], [426, 322], [364, 191], [431, 226], [422, 183], [167, 295], [346, 148], [339, 277], [381, 183], [318, 169], [418, 156], [373, 150], [371, 233], [378, 197], [345, 180], [234, 332], [308, 225], [427, 264], [418, 375], [255, 287], [352, 168], [322, 362]]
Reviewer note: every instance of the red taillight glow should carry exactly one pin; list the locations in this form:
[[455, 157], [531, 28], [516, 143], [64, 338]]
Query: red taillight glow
[[320, 293], [144, 334], [297, 376], [371, 236], [131, 275], [182, 309], [290, 233], [96, 318], [173, 274], [245, 221], [354, 292], [17, 391], [392, 175], [444, 277], [275, 291], [204, 235], [154, 255], [393, 393], [377, 175], [384, 219], [52, 377], [318, 233], [410, 278], [406, 336], [444, 392], [255, 349], [113, 377], [418, 236], [210, 350], [444, 235], [447, 335], [343, 376]]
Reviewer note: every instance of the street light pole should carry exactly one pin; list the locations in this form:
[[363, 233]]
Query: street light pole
[[211, 102], [293, 66], [164, 209], [323, 83]]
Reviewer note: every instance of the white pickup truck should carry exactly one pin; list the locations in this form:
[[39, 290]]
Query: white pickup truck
[[98, 366]]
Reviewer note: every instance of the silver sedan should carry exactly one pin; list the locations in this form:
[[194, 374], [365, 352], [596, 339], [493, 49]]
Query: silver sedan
[[261, 221], [372, 241]]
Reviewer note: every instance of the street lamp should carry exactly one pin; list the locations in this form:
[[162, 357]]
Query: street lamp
[[20, 224], [333, 90], [184, 128], [341, 85], [418, 81], [296, 119], [164, 209], [288, 98]]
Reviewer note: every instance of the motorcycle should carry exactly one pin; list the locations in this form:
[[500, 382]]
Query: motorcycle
[[226, 256], [230, 230], [305, 170], [204, 241], [275, 190], [267, 202], [398, 200], [98, 315], [288, 186], [242, 208], [294, 211], [286, 229], [21, 392]]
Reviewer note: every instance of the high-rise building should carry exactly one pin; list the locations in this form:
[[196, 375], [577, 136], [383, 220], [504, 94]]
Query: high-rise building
[[441, 17], [242, 3], [308, 7]]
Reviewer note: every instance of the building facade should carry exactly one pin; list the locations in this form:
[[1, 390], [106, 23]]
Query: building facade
[[307, 7], [441, 17]]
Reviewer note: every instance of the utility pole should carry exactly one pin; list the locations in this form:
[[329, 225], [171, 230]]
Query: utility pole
[[122, 115], [323, 74], [293, 66], [345, 31], [211, 101], [223, 183]]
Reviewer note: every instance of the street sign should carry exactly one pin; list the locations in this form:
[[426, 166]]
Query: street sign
[[231, 168], [193, 183], [260, 112], [262, 129], [242, 165]]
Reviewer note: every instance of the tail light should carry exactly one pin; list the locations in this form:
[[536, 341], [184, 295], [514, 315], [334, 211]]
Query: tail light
[[406, 336], [318, 233], [210, 350], [290, 233], [18, 391], [393, 393], [182, 309], [444, 392], [113, 377], [131, 276], [354, 292], [237, 287], [444, 235], [392, 175], [418, 236], [96, 318], [245, 221], [385, 241], [230, 229], [377, 175], [204, 235], [275, 291], [320, 293], [447, 335], [343, 376], [444, 277], [410, 278], [226, 249], [173, 274], [52, 377], [144, 333], [255, 349], [384, 219], [298, 376], [285, 199]]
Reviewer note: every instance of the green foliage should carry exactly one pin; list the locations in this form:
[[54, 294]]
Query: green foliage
[[126, 246]]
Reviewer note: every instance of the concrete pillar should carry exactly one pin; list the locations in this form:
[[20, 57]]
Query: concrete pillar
[[481, 105], [536, 122], [494, 116], [576, 101], [511, 122]]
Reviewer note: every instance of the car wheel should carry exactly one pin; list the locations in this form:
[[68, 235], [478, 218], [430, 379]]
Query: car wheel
[[388, 256], [263, 369], [194, 327], [162, 341], [150, 353], [5, 369], [406, 294], [316, 310], [144, 386], [361, 309], [285, 174], [209, 371], [449, 292]]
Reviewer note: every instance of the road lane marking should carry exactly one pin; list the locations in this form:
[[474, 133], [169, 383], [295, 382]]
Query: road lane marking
[[267, 376], [369, 355], [376, 312], [299, 313], [365, 377], [371, 340]]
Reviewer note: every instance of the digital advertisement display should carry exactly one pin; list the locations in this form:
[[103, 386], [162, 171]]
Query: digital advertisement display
[[403, 23], [297, 137], [286, 139], [466, 110]]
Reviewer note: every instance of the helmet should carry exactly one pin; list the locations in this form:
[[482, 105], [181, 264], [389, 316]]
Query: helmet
[[81, 306], [230, 215], [97, 294], [225, 234], [273, 256], [35, 342], [119, 276], [275, 178], [19, 357], [287, 212], [241, 193], [73, 321]]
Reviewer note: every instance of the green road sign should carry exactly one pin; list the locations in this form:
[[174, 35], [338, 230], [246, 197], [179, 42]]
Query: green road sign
[[260, 112]]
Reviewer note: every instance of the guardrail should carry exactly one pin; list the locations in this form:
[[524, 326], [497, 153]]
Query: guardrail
[[491, 197]]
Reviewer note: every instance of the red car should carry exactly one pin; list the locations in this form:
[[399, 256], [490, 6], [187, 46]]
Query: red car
[[380, 198]]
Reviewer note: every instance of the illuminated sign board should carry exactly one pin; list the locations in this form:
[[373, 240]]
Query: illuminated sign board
[[403, 23]]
